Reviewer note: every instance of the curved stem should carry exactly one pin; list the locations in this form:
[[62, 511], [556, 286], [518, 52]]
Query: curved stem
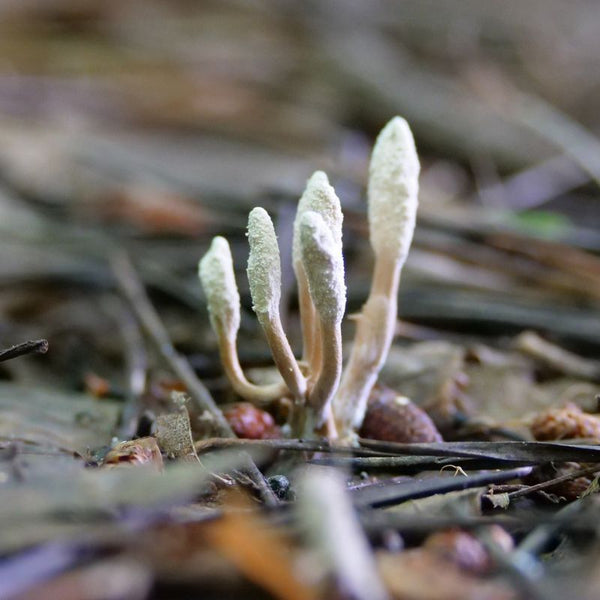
[[257, 394]]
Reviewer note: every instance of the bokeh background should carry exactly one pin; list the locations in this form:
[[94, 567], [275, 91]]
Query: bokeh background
[[151, 126], [133, 131]]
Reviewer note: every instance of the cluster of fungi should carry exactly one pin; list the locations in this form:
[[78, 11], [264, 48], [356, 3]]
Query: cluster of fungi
[[328, 399]]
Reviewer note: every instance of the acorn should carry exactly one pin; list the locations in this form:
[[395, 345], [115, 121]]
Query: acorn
[[391, 417]]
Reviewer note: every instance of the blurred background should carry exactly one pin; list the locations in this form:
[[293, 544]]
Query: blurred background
[[133, 131], [150, 126]]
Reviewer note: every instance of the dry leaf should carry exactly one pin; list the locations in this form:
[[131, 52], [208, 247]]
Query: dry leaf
[[143, 451], [261, 553], [422, 575]]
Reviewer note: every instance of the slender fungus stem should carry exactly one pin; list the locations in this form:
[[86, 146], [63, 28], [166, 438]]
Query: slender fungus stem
[[374, 333], [324, 267], [392, 195], [284, 358], [316, 353], [257, 394], [328, 379], [218, 280], [307, 318], [264, 277]]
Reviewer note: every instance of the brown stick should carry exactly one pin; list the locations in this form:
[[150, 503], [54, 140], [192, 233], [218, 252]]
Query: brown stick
[[133, 289], [30, 347]]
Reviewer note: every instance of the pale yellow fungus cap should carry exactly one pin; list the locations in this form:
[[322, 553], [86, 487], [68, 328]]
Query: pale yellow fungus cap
[[320, 197], [264, 267], [324, 267], [218, 281], [393, 190]]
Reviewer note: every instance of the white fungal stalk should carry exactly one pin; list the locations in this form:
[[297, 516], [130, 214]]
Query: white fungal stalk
[[393, 201], [264, 276], [223, 299], [218, 281], [323, 264], [393, 191], [320, 197], [327, 405]]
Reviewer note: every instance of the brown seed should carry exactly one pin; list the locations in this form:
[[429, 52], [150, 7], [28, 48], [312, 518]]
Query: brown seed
[[250, 422], [394, 418]]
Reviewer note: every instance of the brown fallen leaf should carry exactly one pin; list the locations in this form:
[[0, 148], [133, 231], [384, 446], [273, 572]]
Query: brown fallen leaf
[[464, 550], [424, 575], [260, 552], [55, 420], [143, 451]]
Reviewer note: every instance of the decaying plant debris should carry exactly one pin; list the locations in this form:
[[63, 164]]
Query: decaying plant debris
[[142, 458]]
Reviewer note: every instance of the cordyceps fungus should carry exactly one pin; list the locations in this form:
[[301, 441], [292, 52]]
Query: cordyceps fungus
[[318, 197], [264, 277], [324, 267], [327, 401], [392, 209], [223, 299]]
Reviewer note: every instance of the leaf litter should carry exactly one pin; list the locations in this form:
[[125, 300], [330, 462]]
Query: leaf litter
[[498, 326]]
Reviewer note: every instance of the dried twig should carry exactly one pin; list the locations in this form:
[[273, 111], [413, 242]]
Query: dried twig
[[133, 289], [135, 368], [546, 484], [30, 347], [557, 358]]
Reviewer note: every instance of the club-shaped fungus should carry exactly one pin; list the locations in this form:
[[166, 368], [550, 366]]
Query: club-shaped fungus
[[328, 401]]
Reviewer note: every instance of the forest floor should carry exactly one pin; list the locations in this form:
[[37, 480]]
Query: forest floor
[[131, 134]]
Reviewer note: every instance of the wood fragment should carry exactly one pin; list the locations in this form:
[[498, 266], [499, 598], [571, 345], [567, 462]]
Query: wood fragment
[[31, 347], [327, 517]]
